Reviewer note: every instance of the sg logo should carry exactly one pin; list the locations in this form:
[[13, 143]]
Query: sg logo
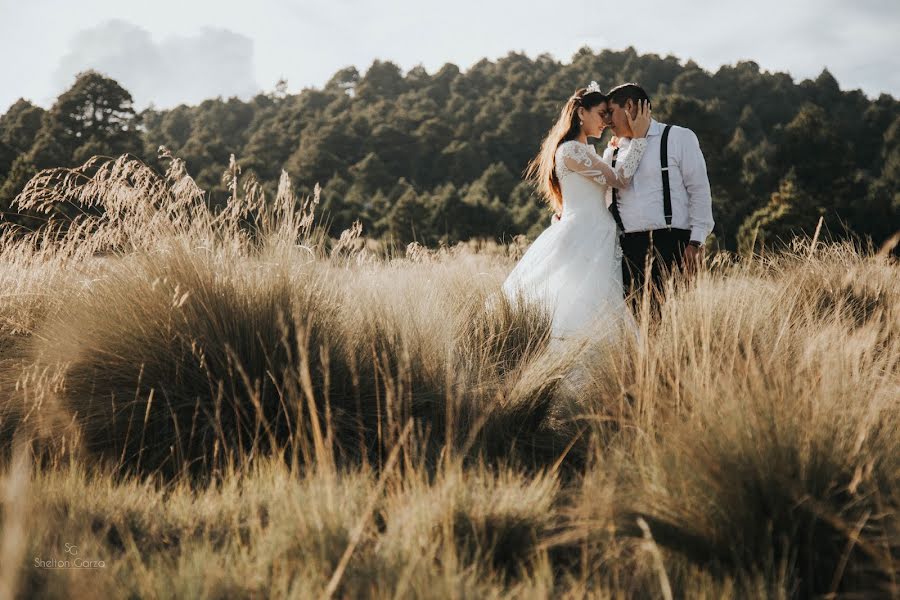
[[71, 549]]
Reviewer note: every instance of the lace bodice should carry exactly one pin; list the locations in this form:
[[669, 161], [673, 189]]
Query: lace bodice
[[574, 157]]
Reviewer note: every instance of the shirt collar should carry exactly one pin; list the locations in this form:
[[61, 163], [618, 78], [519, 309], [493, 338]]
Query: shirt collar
[[656, 128]]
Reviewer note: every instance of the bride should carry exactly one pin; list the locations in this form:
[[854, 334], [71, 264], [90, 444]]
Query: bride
[[574, 266]]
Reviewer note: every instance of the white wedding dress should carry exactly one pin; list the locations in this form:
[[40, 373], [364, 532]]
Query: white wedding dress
[[574, 267]]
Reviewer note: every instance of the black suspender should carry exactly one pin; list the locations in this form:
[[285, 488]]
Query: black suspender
[[664, 166], [667, 193], [614, 207]]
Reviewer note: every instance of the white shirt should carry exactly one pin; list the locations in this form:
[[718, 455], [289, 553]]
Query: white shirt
[[641, 203]]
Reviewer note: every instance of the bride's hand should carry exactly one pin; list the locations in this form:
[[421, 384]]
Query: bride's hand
[[640, 124]]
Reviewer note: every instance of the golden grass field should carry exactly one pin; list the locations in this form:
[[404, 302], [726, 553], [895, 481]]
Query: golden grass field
[[231, 405]]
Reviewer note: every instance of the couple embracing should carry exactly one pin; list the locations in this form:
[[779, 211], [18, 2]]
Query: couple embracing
[[641, 210]]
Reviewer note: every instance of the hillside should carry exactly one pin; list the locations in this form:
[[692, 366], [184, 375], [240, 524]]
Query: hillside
[[438, 157]]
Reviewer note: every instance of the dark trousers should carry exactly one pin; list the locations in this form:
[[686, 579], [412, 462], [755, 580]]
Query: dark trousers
[[664, 246]]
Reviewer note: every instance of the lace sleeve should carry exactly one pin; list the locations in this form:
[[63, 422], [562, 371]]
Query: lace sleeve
[[582, 159], [629, 160]]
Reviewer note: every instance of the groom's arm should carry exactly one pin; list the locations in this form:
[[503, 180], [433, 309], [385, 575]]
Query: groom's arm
[[696, 182]]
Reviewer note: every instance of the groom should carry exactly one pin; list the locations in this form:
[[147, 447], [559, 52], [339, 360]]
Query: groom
[[666, 213]]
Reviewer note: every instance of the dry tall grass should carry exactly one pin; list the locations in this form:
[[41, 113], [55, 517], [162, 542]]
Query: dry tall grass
[[231, 405]]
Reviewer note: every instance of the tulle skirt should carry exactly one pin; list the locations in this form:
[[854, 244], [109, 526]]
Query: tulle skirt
[[574, 268]]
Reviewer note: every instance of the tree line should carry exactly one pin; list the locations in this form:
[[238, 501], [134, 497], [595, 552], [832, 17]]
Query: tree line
[[438, 157]]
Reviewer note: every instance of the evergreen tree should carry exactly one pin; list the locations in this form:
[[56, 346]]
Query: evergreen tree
[[20, 125], [94, 116], [778, 152]]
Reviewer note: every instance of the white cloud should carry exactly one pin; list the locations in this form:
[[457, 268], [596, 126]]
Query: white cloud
[[306, 41], [177, 69]]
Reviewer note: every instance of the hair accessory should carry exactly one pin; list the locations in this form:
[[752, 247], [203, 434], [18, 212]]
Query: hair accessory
[[590, 89]]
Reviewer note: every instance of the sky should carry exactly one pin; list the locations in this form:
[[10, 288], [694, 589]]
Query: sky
[[166, 52]]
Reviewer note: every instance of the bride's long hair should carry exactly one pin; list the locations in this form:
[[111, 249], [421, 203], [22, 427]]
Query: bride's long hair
[[542, 168]]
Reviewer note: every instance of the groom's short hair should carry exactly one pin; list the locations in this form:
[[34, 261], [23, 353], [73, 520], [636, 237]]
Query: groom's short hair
[[628, 91]]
